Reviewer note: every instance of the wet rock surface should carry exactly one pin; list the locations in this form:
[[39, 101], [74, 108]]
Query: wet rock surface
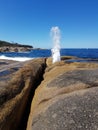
[[67, 98], [8, 67]]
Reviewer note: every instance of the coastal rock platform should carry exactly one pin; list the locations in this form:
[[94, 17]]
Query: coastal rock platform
[[61, 96], [67, 98]]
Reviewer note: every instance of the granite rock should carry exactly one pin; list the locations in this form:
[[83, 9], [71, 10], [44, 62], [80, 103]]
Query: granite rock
[[67, 98], [15, 86]]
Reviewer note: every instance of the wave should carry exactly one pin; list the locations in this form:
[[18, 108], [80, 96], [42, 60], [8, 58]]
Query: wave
[[15, 58]]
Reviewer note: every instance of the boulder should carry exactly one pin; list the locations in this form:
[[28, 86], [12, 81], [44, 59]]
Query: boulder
[[15, 85], [67, 98]]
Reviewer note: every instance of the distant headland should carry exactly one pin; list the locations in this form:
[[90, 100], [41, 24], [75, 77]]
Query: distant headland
[[14, 47]]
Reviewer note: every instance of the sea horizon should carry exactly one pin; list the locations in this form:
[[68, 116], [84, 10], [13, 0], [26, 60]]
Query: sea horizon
[[40, 53]]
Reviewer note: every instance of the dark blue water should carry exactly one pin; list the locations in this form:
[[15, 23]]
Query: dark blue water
[[82, 53]]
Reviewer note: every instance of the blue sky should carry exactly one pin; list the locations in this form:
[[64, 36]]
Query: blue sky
[[30, 22]]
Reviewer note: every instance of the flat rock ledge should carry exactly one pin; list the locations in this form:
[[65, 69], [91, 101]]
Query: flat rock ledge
[[67, 98]]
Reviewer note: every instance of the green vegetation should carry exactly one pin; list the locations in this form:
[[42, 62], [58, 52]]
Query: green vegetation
[[4, 43]]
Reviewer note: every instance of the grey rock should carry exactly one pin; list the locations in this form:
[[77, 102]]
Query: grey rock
[[88, 77], [67, 99], [76, 111]]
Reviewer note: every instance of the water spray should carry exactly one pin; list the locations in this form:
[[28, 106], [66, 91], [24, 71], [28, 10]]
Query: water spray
[[55, 33]]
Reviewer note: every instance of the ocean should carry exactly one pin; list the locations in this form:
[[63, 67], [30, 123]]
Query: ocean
[[38, 53]]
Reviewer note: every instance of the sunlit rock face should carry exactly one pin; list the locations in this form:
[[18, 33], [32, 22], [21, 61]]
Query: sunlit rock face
[[66, 99], [17, 80]]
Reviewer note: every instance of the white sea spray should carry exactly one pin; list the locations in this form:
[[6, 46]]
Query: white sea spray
[[55, 33]]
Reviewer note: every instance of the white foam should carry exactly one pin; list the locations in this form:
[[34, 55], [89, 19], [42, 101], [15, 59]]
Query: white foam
[[55, 55], [15, 58], [55, 33]]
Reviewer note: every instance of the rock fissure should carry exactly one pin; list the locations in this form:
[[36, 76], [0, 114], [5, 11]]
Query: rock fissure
[[66, 99], [34, 85], [66, 96], [20, 91]]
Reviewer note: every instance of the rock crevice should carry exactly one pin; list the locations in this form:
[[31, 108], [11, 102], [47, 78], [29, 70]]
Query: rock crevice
[[16, 94], [67, 98]]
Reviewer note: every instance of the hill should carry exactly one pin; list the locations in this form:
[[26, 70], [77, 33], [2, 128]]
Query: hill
[[14, 47], [5, 43]]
